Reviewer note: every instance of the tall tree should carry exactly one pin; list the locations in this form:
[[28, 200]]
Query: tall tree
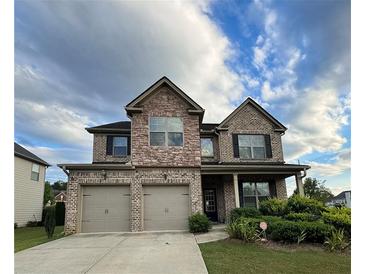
[[48, 193], [59, 185], [315, 189]]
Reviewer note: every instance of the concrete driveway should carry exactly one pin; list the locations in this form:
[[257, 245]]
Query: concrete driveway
[[114, 253]]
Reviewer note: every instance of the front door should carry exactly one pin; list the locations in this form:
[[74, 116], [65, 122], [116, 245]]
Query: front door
[[210, 204]]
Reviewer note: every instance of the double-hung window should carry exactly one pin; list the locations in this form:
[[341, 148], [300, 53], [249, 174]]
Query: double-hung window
[[251, 146], [166, 131], [35, 172], [120, 146], [254, 192]]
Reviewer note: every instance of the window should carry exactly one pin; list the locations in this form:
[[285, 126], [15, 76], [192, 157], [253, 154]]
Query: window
[[166, 131], [251, 146], [254, 193], [206, 147], [35, 172], [120, 146]]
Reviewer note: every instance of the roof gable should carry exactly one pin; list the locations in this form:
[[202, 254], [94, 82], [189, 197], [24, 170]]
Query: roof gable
[[26, 154], [279, 126], [133, 106]]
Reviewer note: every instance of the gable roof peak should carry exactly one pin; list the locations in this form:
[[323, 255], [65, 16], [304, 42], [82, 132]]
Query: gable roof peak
[[249, 100]]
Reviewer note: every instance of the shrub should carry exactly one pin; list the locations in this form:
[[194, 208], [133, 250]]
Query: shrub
[[249, 212], [32, 224], [199, 222], [304, 216], [289, 231], [299, 204], [340, 218], [50, 220], [60, 213], [336, 241], [243, 229], [15, 225], [273, 207]]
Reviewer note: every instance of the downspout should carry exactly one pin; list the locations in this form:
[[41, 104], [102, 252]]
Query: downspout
[[65, 170]]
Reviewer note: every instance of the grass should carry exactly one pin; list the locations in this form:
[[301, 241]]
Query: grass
[[236, 257], [27, 237]]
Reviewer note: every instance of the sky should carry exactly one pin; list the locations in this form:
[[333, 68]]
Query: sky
[[77, 64]]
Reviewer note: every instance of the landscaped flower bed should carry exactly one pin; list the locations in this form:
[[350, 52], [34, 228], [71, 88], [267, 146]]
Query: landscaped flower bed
[[299, 219]]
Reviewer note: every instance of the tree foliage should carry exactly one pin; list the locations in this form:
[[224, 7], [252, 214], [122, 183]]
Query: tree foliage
[[315, 189], [48, 193], [59, 185]]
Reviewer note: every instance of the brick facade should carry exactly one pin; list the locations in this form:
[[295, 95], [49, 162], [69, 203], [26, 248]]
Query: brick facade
[[249, 121], [151, 165], [99, 150], [136, 179], [165, 103]]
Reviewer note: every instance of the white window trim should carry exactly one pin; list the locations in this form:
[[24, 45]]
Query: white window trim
[[251, 158], [256, 195], [31, 172], [166, 145]]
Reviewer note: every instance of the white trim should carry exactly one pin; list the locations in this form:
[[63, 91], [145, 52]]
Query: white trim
[[236, 193]]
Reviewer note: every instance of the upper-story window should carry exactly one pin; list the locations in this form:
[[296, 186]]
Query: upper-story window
[[166, 131], [35, 172], [206, 147], [120, 146], [251, 146]]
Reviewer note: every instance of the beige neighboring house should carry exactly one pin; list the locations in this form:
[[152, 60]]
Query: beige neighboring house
[[29, 176]]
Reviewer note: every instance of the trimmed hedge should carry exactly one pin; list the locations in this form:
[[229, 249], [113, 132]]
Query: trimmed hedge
[[199, 222], [298, 204], [248, 212], [304, 216], [288, 231], [273, 207], [340, 218]]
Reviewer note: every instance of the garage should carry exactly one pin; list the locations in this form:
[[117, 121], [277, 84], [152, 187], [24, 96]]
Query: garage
[[105, 208], [166, 207]]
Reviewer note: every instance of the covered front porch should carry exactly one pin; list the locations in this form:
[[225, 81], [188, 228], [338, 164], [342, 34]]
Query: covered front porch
[[226, 187]]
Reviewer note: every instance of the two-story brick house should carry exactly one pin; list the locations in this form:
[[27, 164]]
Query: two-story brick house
[[152, 172]]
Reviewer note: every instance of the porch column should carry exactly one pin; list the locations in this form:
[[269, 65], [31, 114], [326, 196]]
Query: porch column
[[298, 180], [236, 193]]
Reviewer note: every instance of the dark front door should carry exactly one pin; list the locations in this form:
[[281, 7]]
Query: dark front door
[[210, 204]]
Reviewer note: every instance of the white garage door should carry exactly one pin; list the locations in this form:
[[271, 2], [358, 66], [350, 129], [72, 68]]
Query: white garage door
[[166, 207], [105, 209]]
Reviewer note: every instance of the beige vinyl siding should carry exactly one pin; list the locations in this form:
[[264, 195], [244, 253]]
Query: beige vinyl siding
[[28, 194]]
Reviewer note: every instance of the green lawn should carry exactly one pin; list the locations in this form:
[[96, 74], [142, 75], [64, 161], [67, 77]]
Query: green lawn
[[235, 257], [26, 237]]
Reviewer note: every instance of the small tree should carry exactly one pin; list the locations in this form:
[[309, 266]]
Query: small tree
[[48, 193], [315, 189], [50, 220]]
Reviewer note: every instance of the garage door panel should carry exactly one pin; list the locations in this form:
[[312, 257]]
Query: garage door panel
[[166, 207], [105, 208]]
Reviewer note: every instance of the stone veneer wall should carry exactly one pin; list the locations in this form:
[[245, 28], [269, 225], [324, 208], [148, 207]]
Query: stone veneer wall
[[99, 150], [249, 121], [281, 189], [136, 179]]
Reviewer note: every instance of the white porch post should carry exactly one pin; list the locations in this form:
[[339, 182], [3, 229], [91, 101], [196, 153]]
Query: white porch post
[[236, 193], [298, 180]]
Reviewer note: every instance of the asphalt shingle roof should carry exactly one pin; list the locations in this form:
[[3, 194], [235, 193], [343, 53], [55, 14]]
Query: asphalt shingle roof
[[26, 154]]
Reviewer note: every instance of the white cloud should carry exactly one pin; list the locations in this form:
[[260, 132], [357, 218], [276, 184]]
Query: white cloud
[[341, 162]]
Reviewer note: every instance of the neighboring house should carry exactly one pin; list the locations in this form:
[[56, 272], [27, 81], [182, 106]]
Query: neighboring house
[[29, 176], [60, 197], [152, 172], [344, 198]]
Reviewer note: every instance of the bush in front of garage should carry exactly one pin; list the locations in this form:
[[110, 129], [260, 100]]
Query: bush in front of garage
[[199, 222]]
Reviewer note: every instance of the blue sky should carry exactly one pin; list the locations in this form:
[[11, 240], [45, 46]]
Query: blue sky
[[77, 64]]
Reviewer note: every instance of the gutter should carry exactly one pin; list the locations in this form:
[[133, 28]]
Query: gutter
[[65, 170]]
